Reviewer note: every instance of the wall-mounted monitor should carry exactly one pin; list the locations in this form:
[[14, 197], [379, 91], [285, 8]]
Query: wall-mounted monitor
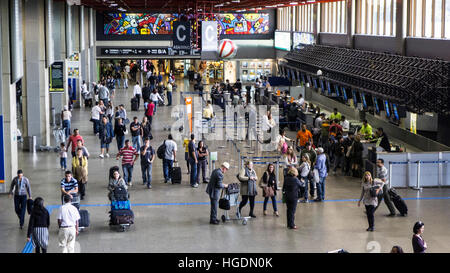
[[336, 89], [387, 109], [355, 99], [283, 40], [322, 86], [300, 39], [344, 94], [363, 99], [395, 112], [375, 104], [329, 88]]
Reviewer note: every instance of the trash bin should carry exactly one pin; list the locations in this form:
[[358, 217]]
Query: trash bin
[[32, 144]]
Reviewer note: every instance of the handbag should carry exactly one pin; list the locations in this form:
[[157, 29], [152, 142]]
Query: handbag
[[268, 192], [224, 203]]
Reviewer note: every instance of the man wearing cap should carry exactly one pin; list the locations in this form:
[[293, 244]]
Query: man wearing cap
[[321, 166], [213, 190]]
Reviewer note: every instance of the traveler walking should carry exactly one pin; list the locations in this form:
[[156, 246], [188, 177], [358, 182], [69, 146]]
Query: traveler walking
[[66, 115], [155, 97], [213, 190], [119, 131], [170, 157], [83, 148], [382, 174], [69, 186], [136, 132], [291, 188], [304, 172], [68, 218], [269, 185], [20, 187], [96, 112], [323, 172], [73, 140], [127, 153], [369, 197], [150, 110], [248, 177], [169, 88], [63, 156], [137, 92], [186, 152], [115, 182], [146, 129], [202, 158], [106, 134], [80, 171], [147, 158], [418, 243], [193, 161], [38, 226]]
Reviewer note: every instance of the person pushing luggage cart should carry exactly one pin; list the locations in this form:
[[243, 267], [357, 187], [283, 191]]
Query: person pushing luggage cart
[[121, 215]]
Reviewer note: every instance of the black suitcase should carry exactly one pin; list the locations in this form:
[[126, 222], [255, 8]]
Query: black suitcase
[[399, 203], [121, 217], [134, 104], [88, 102], [84, 218], [176, 175]]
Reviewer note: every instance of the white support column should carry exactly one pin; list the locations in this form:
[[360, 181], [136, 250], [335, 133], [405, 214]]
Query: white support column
[[7, 102]]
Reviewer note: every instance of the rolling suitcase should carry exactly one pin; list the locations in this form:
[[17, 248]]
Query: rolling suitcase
[[134, 104], [176, 174], [121, 217], [84, 219], [120, 205], [399, 203]]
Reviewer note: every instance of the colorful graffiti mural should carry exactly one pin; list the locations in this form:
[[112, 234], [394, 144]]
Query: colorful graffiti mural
[[153, 24]]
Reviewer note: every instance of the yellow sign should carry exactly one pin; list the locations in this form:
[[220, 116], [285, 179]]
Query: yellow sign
[[188, 102], [413, 123]]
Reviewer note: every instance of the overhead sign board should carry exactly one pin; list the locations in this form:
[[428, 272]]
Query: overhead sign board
[[148, 51], [209, 36], [181, 35]]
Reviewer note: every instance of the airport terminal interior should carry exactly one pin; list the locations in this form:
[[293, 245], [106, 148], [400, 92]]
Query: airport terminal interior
[[355, 84]]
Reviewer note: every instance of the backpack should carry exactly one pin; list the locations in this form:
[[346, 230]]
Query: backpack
[[161, 150]]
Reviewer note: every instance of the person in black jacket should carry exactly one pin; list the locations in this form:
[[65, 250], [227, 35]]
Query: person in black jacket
[[384, 140], [38, 226], [146, 92], [119, 132], [291, 188], [213, 189], [269, 179]]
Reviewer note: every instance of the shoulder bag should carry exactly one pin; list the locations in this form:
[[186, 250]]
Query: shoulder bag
[[224, 203]]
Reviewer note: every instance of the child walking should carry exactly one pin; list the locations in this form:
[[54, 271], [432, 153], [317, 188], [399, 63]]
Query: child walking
[[63, 156]]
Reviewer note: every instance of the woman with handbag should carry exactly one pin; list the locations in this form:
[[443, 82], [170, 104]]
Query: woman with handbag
[[248, 178], [370, 190], [269, 185], [202, 161], [80, 171], [304, 171], [291, 188]]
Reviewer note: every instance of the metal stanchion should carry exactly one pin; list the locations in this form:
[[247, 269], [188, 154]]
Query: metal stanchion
[[417, 187]]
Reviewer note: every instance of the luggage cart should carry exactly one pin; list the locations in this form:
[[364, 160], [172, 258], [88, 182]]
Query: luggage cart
[[232, 195]]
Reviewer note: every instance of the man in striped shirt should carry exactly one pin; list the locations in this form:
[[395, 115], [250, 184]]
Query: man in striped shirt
[[69, 185], [127, 153]]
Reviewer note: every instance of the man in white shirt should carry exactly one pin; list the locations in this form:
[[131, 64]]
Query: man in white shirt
[[169, 157], [300, 100], [345, 124], [95, 116], [68, 217], [137, 92], [319, 121]]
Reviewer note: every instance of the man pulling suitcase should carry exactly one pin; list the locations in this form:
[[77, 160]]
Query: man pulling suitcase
[[382, 173]]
